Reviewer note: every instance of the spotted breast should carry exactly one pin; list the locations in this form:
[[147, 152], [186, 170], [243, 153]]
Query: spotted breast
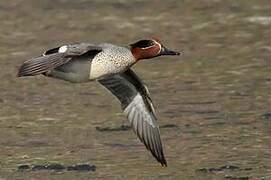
[[113, 59]]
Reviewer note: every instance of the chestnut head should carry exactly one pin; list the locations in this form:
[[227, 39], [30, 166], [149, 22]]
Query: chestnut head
[[150, 48]]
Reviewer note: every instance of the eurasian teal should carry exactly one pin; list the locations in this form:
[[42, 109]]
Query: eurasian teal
[[110, 65]]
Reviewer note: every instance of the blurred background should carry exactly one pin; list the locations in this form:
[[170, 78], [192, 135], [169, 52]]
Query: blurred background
[[213, 101]]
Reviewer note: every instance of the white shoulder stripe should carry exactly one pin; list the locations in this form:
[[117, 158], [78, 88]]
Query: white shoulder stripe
[[63, 49]]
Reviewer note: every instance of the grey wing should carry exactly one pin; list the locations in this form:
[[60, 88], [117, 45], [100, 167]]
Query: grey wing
[[137, 106], [52, 58], [42, 64]]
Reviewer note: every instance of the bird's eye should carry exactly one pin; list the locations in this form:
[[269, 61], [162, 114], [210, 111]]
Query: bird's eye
[[143, 44]]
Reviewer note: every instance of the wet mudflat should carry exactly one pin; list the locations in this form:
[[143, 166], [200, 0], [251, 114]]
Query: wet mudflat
[[216, 95]]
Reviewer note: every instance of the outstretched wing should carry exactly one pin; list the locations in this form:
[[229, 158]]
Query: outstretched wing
[[136, 104], [56, 57]]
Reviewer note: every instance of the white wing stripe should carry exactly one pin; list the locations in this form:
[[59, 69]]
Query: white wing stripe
[[138, 103]]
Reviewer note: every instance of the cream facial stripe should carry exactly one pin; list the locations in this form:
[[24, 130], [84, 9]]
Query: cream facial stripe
[[148, 47], [160, 47]]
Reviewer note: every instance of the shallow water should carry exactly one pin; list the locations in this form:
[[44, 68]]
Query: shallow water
[[217, 93]]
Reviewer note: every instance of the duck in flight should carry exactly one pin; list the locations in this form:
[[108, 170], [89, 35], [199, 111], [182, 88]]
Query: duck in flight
[[110, 65]]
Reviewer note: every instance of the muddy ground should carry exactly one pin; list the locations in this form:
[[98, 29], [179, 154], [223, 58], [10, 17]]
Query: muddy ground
[[216, 96]]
